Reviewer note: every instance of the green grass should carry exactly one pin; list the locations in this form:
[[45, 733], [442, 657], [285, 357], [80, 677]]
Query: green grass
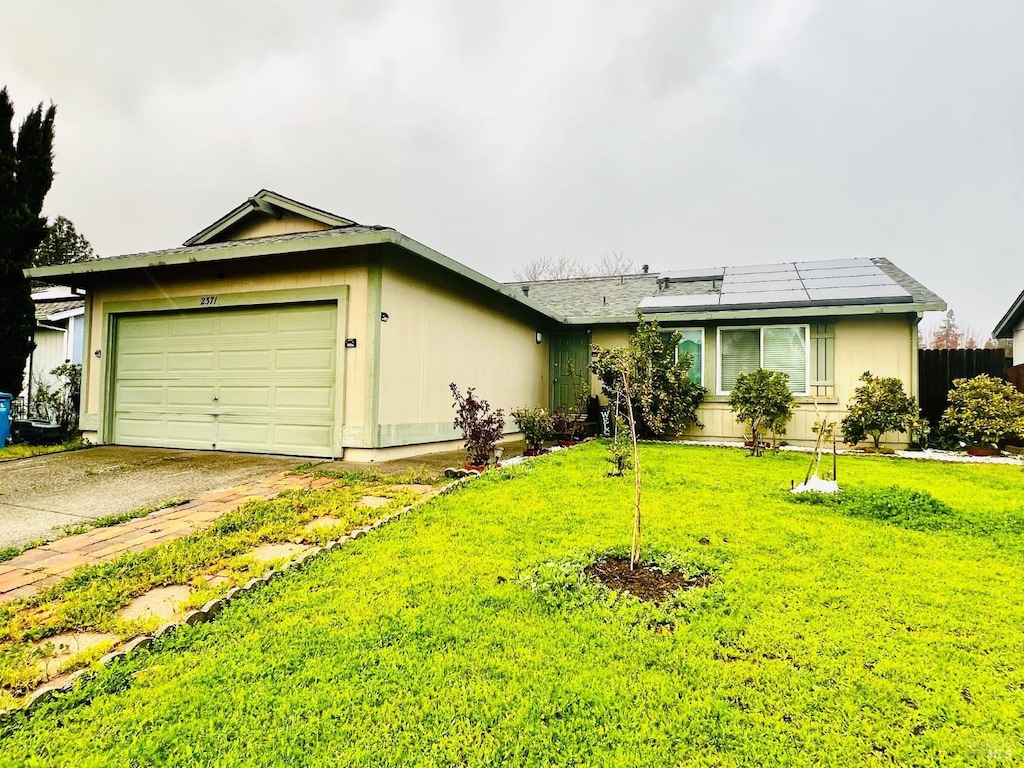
[[24, 450], [462, 635], [90, 599]]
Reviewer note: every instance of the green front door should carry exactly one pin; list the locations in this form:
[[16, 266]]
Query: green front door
[[570, 362]]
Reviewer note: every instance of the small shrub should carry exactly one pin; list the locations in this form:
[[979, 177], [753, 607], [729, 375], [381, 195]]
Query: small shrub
[[566, 424], [481, 427], [917, 510], [762, 400], [878, 405], [983, 410], [61, 404], [535, 424], [620, 448], [665, 399]]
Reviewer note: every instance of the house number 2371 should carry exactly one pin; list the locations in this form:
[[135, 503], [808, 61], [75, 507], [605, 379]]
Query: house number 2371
[[207, 301]]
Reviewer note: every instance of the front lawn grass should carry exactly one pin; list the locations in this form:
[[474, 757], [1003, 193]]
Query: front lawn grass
[[91, 597], [462, 634]]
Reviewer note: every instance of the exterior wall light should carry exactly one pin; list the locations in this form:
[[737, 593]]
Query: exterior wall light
[[540, 337], [384, 317]]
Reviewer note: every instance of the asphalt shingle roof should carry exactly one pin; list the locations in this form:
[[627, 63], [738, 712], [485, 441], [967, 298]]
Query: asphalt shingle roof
[[619, 297]]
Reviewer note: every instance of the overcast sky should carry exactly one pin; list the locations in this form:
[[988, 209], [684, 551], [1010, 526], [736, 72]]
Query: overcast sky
[[681, 133]]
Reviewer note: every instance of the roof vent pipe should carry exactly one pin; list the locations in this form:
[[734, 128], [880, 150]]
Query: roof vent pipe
[[645, 268], [526, 290]]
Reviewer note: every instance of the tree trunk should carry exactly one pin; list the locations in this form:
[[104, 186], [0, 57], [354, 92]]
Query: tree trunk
[[634, 552]]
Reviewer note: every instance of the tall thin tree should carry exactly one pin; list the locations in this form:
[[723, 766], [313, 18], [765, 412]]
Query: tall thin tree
[[26, 173]]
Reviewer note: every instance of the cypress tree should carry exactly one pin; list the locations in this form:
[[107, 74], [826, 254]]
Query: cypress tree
[[26, 173]]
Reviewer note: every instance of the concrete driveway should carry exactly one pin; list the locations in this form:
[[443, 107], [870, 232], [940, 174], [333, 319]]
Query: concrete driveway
[[40, 495]]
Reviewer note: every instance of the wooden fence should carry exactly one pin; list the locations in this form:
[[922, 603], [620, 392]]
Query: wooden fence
[[937, 368]]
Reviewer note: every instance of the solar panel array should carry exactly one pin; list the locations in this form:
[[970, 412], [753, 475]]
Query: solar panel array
[[796, 284]]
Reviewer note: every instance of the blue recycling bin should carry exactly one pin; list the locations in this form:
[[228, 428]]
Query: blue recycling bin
[[5, 417]]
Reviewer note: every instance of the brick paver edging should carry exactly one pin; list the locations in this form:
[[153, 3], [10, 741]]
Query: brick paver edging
[[212, 608], [37, 568]]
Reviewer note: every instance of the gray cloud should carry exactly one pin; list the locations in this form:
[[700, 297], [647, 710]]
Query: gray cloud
[[680, 133]]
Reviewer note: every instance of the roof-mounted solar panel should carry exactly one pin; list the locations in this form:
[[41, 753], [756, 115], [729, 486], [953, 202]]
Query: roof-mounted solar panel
[[678, 303], [693, 275]]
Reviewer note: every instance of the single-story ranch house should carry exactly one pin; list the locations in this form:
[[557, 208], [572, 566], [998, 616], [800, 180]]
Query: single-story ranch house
[[282, 328], [1012, 327]]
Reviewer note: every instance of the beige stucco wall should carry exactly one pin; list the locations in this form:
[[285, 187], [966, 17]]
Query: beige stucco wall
[[882, 344], [182, 286], [1018, 345], [264, 226], [440, 332]]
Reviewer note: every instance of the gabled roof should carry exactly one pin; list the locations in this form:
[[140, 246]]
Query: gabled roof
[[88, 273], [845, 286], [266, 203], [1014, 315]]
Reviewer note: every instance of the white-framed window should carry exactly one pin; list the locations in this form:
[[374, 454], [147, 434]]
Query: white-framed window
[[691, 342], [782, 348]]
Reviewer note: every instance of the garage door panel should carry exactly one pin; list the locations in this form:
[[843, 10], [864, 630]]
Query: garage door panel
[[144, 328], [259, 379], [184, 362], [322, 317], [244, 361], [304, 397], [141, 362], [305, 360], [302, 437], [197, 395], [248, 323], [242, 436], [140, 394], [231, 397]]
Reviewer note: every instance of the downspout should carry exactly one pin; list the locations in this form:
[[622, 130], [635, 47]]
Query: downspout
[[31, 360], [915, 359]]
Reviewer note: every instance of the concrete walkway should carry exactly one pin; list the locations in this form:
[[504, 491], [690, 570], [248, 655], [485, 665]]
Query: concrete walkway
[[40, 567], [41, 495]]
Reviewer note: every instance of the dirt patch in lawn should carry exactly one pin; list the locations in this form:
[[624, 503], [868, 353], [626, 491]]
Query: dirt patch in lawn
[[646, 581]]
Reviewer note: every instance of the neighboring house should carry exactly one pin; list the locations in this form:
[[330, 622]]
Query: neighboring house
[[282, 328], [59, 336], [1012, 327], [823, 323]]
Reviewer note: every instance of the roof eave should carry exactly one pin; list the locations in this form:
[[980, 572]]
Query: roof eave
[[755, 314], [1004, 328], [253, 203], [244, 249]]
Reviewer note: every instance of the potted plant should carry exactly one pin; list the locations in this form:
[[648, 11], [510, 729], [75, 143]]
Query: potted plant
[[982, 412], [536, 426], [481, 427]]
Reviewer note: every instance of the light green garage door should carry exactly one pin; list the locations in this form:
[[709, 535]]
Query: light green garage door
[[259, 380]]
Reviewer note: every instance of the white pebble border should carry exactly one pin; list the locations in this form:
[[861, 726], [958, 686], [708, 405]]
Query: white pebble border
[[929, 454]]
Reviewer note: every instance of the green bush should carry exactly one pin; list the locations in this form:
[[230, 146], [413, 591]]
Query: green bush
[[665, 399], [762, 400], [620, 448], [983, 410], [878, 405], [535, 424]]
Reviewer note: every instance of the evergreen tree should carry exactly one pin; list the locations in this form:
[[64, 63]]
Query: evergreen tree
[[62, 245], [26, 173]]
